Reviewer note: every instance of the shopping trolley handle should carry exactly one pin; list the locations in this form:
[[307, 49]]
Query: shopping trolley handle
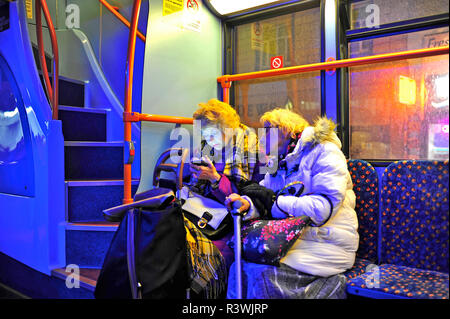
[[235, 209]]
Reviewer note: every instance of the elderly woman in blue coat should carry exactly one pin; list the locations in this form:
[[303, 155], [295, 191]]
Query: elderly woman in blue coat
[[312, 156]]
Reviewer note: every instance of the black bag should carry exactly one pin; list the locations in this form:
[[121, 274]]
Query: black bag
[[262, 198], [147, 257], [225, 227]]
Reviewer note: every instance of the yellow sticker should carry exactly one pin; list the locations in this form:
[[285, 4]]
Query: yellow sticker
[[29, 6], [172, 6], [257, 40], [269, 37]]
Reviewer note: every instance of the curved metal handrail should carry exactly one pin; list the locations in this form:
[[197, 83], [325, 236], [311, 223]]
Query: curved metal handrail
[[121, 18], [129, 95], [128, 116], [52, 92]]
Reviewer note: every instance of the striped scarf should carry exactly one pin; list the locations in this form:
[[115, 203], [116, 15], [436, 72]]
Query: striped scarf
[[240, 162], [207, 265]]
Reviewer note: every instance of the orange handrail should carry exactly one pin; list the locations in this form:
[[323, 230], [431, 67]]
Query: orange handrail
[[226, 80], [52, 92], [128, 115], [137, 117], [121, 18]]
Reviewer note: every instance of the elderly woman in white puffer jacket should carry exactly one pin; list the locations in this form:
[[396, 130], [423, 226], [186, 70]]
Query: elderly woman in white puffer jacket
[[313, 156]]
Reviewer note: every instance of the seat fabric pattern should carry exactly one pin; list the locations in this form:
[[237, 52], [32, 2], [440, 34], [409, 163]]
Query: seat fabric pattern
[[414, 215], [401, 281], [365, 186]]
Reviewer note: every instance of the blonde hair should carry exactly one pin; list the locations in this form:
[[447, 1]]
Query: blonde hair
[[218, 112], [289, 122]]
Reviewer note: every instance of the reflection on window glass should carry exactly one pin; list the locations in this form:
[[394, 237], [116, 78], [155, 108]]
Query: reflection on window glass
[[295, 37], [12, 142], [16, 157], [406, 101], [364, 14]]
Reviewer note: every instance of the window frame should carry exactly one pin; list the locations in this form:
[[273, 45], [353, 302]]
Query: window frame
[[229, 36], [344, 36], [361, 34]]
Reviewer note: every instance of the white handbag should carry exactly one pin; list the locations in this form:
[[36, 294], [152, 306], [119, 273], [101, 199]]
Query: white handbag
[[209, 211]]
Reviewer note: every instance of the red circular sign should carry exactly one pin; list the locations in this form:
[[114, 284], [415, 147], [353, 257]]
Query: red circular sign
[[192, 4], [276, 62]]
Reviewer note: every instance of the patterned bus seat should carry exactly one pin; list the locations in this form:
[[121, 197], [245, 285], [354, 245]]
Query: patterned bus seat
[[414, 232], [365, 186]]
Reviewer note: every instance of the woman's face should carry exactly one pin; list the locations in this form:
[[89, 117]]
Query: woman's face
[[213, 136]]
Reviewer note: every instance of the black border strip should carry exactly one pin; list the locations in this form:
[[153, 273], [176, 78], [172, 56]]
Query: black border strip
[[322, 59], [399, 27]]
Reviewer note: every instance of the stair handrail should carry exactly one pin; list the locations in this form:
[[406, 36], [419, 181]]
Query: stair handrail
[[114, 11], [52, 92]]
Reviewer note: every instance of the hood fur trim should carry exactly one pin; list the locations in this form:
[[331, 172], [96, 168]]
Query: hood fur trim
[[323, 132]]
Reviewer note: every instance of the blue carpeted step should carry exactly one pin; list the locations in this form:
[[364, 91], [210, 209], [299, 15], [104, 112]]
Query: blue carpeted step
[[87, 199], [82, 124], [30, 283], [87, 243], [88, 277], [71, 92], [93, 160]]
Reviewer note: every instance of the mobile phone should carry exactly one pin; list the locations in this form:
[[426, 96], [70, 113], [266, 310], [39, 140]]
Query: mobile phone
[[200, 163]]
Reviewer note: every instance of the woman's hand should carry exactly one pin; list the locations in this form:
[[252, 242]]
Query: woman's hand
[[208, 173], [235, 197]]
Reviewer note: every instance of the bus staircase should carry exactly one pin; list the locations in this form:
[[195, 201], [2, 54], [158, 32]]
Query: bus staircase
[[93, 182]]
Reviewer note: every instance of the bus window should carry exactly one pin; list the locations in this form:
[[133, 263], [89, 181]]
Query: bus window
[[296, 38], [406, 101]]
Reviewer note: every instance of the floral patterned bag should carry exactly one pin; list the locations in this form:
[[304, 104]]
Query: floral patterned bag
[[267, 241]]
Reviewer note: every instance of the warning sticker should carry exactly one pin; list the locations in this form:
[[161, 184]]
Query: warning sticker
[[257, 40], [276, 62], [192, 5], [172, 6], [192, 16], [29, 7]]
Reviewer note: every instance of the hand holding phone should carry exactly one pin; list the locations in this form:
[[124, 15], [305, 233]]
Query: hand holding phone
[[203, 169], [200, 163]]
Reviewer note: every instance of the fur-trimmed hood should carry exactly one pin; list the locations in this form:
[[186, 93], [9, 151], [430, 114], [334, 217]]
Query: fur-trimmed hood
[[327, 197], [320, 132]]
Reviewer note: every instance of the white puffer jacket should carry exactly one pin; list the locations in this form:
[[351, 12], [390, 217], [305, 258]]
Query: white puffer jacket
[[329, 249]]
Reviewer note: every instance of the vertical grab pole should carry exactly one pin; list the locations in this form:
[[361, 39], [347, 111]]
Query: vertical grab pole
[[237, 247], [226, 90], [128, 96]]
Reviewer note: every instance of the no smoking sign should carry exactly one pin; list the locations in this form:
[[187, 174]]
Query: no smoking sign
[[276, 62]]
